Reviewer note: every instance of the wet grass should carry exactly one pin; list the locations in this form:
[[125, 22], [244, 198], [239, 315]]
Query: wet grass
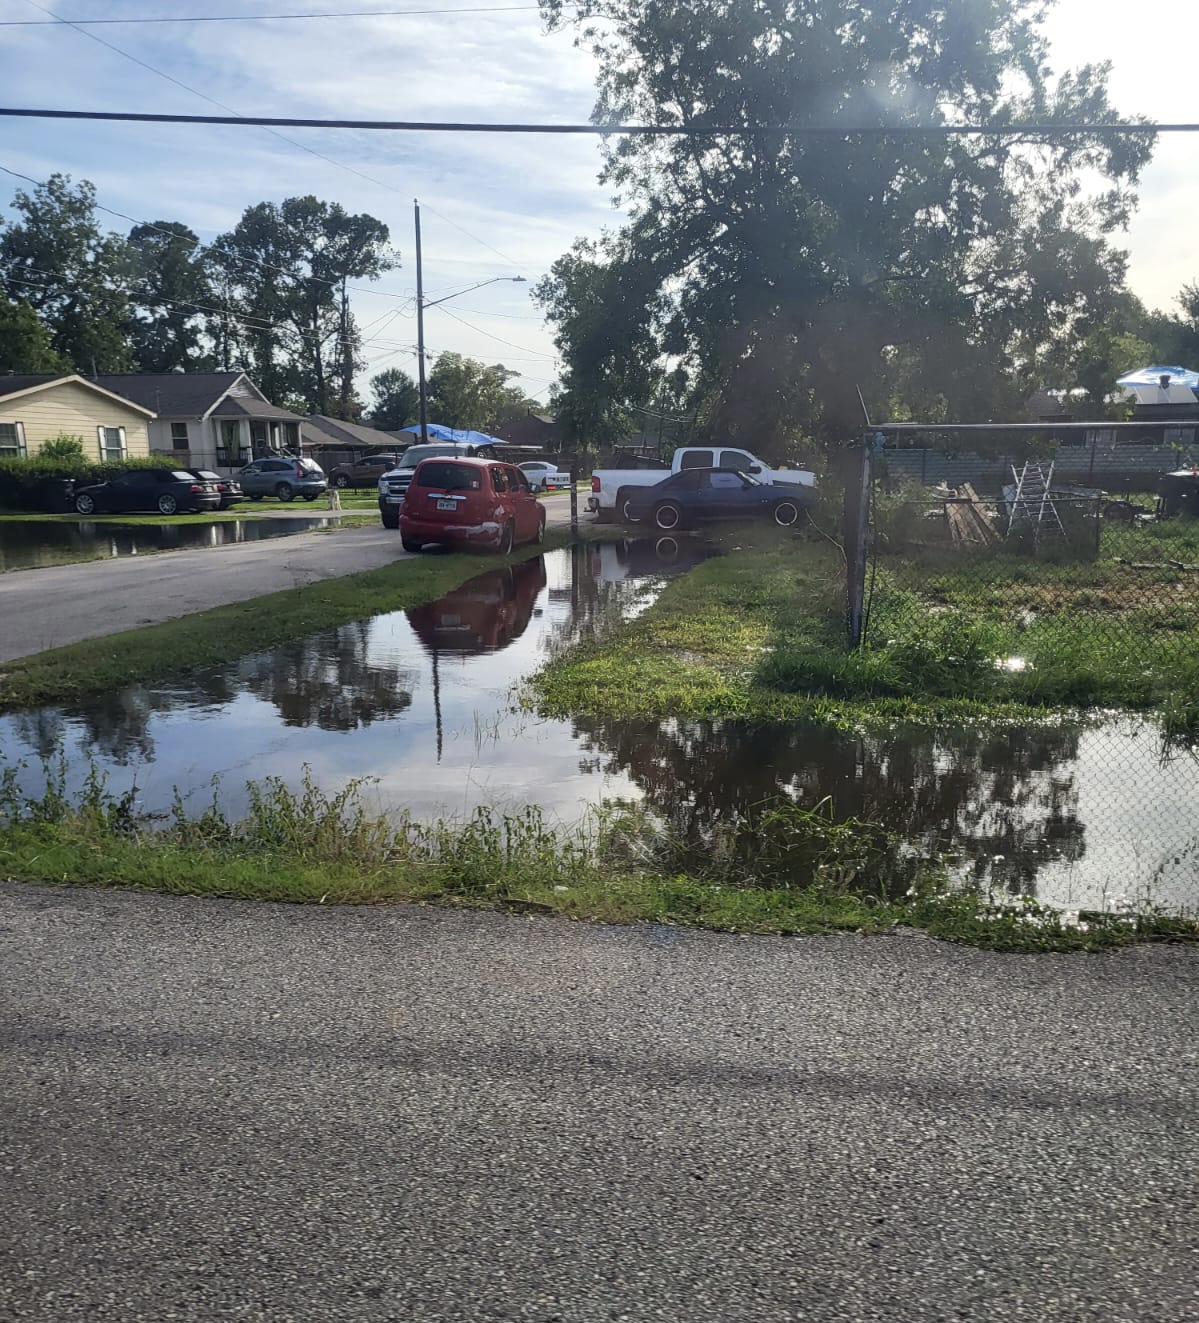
[[311, 847], [208, 638], [760, 634]]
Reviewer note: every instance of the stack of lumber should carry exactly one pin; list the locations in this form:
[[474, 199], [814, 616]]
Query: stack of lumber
[[969, 523]]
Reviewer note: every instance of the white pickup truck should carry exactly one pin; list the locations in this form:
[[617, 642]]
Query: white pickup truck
[[610, 487]]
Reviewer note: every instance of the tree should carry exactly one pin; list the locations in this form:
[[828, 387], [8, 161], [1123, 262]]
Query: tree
[[784, 270], [171, 296], [25, 343], [396, 400], [74, 277], [466, 393], [283, 274]]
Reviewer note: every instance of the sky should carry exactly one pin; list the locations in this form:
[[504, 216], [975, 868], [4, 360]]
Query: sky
[[491, 205]]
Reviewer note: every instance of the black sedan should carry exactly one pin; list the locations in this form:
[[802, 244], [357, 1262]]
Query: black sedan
[[169, 491], [697, 496], [229, 488]]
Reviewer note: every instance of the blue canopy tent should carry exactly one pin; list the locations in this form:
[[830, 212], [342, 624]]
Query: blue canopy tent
[[437, 432], [1161, 378]]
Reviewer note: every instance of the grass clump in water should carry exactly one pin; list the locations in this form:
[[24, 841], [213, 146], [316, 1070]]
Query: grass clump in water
[[792, 870]]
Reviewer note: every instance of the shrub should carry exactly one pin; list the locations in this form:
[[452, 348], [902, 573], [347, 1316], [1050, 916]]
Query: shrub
[[20, 478], [63, 446]]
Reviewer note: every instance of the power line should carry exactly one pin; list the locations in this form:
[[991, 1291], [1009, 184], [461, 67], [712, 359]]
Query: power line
[[237, 117], [463, 230], [259, 18], [553, 358], [1005, 130], [265, 266]]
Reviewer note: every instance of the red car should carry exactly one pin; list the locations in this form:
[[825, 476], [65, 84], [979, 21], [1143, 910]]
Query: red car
[[463, 502]]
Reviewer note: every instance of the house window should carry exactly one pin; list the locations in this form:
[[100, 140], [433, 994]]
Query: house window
[[230, 451], [291, 435], [179, 437], [258, 436], [12, 441], [112, 442]]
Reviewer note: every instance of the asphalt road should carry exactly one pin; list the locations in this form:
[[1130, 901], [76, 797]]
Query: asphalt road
[[61, 604], [215, 1110]]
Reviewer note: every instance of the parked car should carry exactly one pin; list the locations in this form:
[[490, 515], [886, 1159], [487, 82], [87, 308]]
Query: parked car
[[365, 471], [544, 476], [467, 502], [285, 478], [612, 488], [229, 488], [169, 491], [697, 496], [393, 485]]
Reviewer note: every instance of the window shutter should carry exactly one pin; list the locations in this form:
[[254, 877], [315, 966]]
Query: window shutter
[[100, 441], [21, 439]]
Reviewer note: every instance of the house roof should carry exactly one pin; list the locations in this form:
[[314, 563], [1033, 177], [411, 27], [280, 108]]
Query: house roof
[[321, 430], [173, 394], [241, 406], [29, 382]]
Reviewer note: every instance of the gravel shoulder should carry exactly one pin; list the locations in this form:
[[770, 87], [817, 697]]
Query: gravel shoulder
[[221, 1110], [62, 604]]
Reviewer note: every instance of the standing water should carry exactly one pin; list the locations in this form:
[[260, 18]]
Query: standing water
[[422, 701]]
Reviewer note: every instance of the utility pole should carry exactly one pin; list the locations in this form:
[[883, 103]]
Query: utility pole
[[420, 333]]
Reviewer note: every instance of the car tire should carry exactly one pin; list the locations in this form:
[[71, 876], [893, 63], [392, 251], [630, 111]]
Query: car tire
[[408, 545], [667, 550], [622, 500], [310, 496], [786, 514], [541, 529], [285, 491], [85, 505], [168, 504], [390, 518], [341, 481], [256, 496], [668, 516], [507, 540]]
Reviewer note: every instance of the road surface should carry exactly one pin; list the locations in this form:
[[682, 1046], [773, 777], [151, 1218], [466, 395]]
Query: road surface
[[49, 608], [216, 1110]]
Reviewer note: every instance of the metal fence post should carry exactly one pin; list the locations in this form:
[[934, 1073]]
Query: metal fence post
[[574, 497], [857, 528]]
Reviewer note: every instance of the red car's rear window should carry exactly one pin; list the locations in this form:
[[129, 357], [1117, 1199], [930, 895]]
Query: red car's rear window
[[448, 477]]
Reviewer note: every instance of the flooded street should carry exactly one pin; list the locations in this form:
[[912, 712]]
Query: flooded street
[[423, 702], [38, 543]]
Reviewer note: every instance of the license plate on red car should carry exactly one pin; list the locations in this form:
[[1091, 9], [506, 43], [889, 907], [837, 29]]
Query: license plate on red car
[[447, 505]]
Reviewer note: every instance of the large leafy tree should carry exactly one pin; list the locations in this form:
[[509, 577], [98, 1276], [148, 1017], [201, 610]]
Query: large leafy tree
[[783, 269], [466, 393], [56, 259], [172, 296], [283, 275], [24, 342], [396, 400]]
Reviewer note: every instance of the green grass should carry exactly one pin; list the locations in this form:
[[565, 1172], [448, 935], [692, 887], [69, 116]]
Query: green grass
[[206, 638], [310, 847], [759, 633]]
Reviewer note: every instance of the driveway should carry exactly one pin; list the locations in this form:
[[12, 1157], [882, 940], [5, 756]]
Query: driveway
[[63, 604], [217, 1110]]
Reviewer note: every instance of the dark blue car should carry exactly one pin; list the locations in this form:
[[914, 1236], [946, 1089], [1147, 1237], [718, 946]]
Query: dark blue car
[[696, 496]]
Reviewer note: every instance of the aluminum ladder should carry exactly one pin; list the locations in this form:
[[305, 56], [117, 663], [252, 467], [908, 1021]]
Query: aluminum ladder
[[1034, 501]]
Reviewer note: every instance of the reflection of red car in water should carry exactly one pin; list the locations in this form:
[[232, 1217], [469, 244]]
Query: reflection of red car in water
[[484, 615]]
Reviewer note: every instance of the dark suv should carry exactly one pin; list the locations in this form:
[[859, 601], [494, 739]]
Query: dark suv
[[284, 478], [365, 471]]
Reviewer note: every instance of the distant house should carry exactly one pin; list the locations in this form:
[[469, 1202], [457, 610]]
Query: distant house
[[209, 419], [36, 407], [322, 433], [532, 429]]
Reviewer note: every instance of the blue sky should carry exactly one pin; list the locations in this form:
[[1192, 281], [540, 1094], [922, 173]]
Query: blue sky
[[519, 201]]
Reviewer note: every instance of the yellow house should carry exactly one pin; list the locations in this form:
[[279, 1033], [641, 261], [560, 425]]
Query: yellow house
[[35, 408]]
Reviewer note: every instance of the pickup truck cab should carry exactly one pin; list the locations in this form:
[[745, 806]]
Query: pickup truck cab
[[612, 488]]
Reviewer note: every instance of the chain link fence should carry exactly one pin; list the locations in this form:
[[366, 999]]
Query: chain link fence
[[1051, 600]]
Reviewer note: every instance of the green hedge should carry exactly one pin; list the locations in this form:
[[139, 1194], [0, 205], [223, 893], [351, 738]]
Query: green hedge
[[18, 477]]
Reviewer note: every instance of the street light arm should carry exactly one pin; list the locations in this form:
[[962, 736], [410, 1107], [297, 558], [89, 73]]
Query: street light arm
[[495, 280]]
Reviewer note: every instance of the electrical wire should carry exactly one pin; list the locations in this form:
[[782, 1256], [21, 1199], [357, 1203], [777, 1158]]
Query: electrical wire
[[840, 131], [553, 358], [263, 18]]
